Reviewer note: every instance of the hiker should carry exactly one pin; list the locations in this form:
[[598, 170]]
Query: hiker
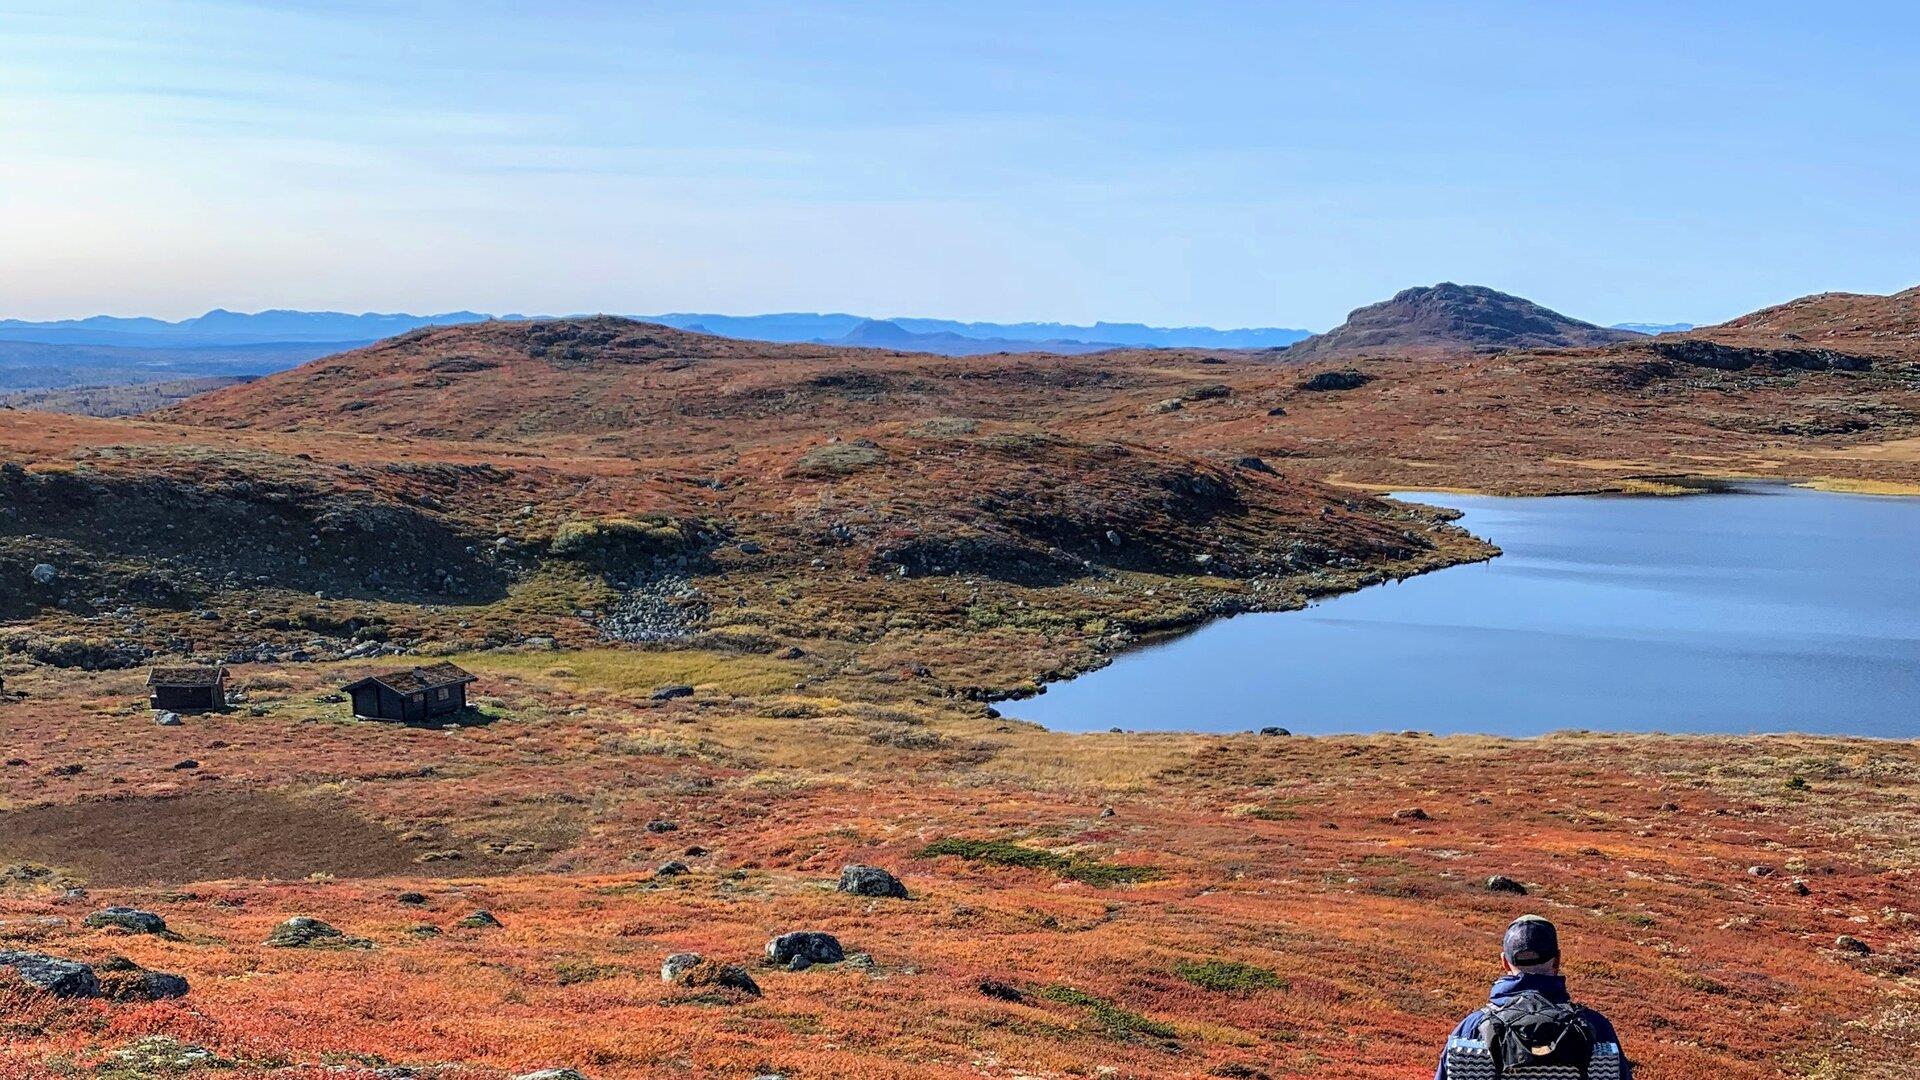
[[1528, 1028]]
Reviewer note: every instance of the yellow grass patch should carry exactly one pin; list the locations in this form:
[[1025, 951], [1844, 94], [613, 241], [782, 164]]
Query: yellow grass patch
[[1861, 487], [632, 670]]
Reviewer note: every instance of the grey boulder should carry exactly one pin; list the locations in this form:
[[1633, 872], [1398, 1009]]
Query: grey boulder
[[676, 964], [861, 880], [61, 978], [812, 945], [132, 920]]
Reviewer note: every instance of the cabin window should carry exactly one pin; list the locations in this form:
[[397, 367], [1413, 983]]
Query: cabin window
[[417, 698], [443, 693]]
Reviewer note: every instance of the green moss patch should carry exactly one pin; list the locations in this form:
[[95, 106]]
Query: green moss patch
[[1228, 976], [1010, 853], [1119, 1022]]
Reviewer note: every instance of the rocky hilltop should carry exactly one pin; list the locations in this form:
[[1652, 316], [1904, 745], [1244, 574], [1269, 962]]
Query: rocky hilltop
[[1854, 322], [1447, 318]]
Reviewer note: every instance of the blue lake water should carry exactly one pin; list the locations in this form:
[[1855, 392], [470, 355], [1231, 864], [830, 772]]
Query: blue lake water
[[1763, 609]]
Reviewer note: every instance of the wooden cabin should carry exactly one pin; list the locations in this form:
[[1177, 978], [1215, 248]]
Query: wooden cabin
[[411, 695], [187, 688]]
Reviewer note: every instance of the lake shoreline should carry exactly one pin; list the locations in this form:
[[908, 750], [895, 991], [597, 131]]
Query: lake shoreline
[[1770, 604]]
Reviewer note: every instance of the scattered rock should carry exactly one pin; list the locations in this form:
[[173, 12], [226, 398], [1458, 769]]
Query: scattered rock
[[677, 963], [1002, 991], [186, 765], [713, 975], [123, 980], [672, 868], [1254, 464], [1669, 807], [44, 573], [301, 932], [1799, 887], [479, 920], [818, 948], [656, 607], [132, 920], [1347, 379], [167, 719], [660, 825], [1760, 871], [1172, 404], [676, 690], [412, 898], [61, 978], [870, 881], [1505, 884], [552, 1074], [1106, 811], [164, 1055], [1275, 731], [1411, 813], [1277, 411], [1845, 943]]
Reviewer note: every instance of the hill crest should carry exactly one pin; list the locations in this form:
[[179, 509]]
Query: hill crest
[[1434, 320]]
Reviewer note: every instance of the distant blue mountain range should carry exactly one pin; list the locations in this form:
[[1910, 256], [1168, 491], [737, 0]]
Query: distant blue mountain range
[[108, 349], [905, 332], [1653, 327], [220, 327]]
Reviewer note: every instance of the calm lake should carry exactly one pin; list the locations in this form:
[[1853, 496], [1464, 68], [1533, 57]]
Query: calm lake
[[1764, 608]]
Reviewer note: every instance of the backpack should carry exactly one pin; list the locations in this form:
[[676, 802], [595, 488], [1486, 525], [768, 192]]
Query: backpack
[[1527, 1031]]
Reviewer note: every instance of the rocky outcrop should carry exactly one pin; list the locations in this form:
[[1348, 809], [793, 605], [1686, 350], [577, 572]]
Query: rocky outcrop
[[302, 932], [861, 880], [52, 974], [131, 920], [1447, 318], [1344, 379], [123, 980], [692, 972], [805, 947], [1711, 354]]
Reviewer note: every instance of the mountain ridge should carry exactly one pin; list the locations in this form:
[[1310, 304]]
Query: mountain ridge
[[221, 326]]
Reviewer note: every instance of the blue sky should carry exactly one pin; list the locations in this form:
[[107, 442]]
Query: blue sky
[[1221, 163]]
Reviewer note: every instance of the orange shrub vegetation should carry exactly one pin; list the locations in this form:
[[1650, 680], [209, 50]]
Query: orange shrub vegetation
[[1291, 925]]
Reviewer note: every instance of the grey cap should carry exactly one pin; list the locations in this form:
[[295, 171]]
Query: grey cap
[[1530, 940]]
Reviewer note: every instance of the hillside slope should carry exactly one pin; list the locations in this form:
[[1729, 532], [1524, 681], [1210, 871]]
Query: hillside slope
[[1858, 322]]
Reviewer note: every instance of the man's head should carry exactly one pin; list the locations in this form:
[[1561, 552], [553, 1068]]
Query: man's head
[[1531, 947]]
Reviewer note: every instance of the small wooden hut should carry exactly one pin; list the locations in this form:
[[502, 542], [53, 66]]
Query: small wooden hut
[[411, 695], [187, 688]]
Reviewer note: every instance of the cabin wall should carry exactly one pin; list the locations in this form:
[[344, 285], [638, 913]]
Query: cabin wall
[[455, 701], [380, 702], [377, 702], [187, 698]]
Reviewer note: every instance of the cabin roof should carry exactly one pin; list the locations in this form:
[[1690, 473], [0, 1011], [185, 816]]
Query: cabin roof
[[186, 675], [417, 679]]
